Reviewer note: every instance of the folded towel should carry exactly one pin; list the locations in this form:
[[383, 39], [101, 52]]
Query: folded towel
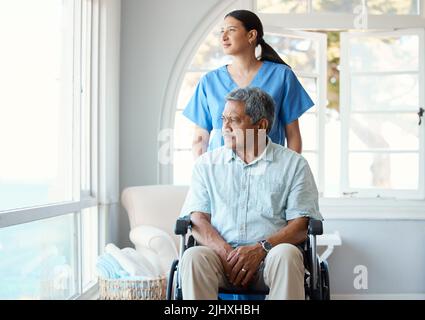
[[108, 268], [146, 259], [129, 264], [154, 258], [156, 240]]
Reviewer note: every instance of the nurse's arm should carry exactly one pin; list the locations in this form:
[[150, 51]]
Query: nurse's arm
[[201, 138], [293, 136]]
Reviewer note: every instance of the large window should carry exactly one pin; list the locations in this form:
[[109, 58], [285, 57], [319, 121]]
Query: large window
[[382, 75], [39, 259], [362, 139], [36, 119], [48, 214]]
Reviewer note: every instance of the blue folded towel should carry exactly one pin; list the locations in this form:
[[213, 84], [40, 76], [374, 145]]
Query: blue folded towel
[[108, 267]]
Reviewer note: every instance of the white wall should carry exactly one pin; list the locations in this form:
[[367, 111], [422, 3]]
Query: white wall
[[392, 250], [153, 33]]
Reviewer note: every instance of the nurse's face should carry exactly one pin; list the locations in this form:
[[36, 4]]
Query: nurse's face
[[235, 39]]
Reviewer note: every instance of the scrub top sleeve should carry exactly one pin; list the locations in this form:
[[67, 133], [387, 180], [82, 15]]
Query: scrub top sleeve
[[296, 100], [197, 109]]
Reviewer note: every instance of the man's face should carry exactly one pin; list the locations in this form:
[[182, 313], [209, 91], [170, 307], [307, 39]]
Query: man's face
[[237, 126]]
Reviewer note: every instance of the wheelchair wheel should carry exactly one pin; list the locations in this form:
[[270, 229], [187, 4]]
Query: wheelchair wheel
[[324, 275], [170, 284]]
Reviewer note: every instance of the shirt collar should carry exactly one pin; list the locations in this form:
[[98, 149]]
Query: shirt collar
[[267, 154]]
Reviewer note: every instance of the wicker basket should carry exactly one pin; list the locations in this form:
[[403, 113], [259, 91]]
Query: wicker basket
[[121, 289]]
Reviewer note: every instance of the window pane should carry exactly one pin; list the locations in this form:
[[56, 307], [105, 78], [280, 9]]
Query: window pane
[[396, 53], [393, 6], [339, 6], [308, 127], [210, 54], [299, 53], [90, 238], [332, 155], [385, 92], [190, 81], [282, 6], [35, 102], [183, 163], [37, 259], [383, 170], [384, 131], [183, 132]]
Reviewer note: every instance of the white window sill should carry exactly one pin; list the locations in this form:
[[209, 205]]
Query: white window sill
[[371, 209], [90, 294]]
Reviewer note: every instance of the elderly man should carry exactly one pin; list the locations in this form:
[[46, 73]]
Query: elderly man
[[249, 202]]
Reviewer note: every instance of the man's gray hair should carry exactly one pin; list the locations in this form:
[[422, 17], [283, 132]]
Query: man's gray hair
[[258, 104]]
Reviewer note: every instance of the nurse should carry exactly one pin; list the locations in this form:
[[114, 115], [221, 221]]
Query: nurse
[[241, 33]]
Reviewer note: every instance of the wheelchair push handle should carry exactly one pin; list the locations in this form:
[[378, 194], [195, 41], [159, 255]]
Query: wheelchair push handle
[[315, 227], [182, 225]]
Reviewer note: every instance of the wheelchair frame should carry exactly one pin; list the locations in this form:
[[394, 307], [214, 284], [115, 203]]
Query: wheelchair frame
[[316, 279]]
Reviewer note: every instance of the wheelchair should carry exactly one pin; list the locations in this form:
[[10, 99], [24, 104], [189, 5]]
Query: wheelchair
[[316, 278]]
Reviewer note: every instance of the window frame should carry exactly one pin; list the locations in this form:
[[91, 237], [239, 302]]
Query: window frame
[[80, 201], [345, 112]]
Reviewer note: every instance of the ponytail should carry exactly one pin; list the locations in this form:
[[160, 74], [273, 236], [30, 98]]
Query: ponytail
[[269, 54]]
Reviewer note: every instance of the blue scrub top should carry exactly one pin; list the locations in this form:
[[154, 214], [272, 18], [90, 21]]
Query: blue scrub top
[[207, 104]]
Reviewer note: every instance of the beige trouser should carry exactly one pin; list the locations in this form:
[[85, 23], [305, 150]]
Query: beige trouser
[[202, 273]]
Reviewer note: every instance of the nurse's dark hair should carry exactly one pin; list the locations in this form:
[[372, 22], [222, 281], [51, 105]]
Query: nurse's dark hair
[[252, 22]]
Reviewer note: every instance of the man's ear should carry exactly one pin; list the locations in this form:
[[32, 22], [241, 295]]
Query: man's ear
[[263, 124]]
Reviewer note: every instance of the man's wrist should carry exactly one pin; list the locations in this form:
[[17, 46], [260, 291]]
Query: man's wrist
[[261, 250], [265, 245], [224, 251]]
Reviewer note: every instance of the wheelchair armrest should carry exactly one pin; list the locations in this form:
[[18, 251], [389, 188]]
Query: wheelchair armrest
[[315, 227], [182, 225]]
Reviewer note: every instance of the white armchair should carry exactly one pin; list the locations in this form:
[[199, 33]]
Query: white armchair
[[153, 211]]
